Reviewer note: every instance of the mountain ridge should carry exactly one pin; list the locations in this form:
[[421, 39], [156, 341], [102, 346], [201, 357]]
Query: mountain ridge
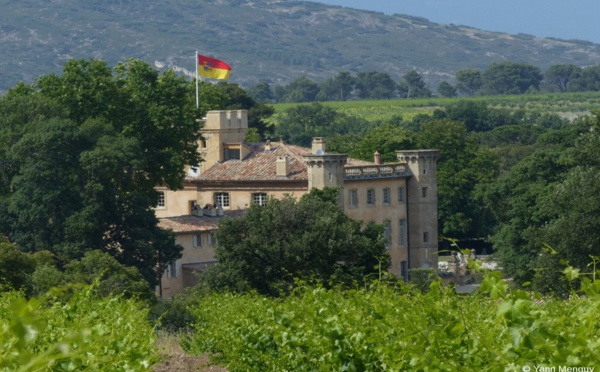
[[263, 40]]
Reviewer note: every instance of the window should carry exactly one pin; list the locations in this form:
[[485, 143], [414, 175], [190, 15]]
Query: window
[[426, 237], [386, 195], [222, 199], [353, 198], [198, 241], [401, 194], [161, 200], [260, 198], [404, 270], [211, 238], [424, 192], [386, 233], [172, 269], [371, 197], [231, 154], [402, 233]]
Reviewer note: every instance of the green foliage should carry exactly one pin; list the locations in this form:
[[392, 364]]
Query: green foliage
[[394, 328], [99, 140], [84, 333], [15, 267], [511, 78], [445, 89], [386, 139], [298, 125], [461, 167], [311, 238]]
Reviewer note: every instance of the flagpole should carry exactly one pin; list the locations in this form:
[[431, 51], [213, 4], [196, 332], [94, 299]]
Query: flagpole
[[197, 97]]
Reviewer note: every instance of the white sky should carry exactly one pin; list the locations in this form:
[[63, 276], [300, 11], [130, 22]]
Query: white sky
[[575, 19]]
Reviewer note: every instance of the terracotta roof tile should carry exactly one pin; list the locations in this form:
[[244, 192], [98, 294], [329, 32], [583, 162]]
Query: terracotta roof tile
[[190, 224], [260, 165]]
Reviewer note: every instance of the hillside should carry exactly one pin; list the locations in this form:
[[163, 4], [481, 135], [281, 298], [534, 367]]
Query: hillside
[[272, 40]]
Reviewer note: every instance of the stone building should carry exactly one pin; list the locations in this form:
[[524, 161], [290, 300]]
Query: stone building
[[402, 196]]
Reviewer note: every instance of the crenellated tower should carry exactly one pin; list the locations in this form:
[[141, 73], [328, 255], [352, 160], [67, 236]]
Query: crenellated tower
[[421, 197]]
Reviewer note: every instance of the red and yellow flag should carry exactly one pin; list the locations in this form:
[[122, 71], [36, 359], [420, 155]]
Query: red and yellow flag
[[213, 68]]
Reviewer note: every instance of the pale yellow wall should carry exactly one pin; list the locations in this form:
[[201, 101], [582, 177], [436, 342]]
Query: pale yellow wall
[[380, 212], [242, 198], [190, 254], [176, 202]]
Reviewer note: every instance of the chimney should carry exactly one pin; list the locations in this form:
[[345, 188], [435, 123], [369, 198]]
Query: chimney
[[377, 158], [283, 166], [318, 146], [268, 145]]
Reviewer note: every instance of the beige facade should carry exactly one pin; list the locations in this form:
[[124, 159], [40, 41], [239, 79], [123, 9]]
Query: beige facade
[[402, 196]]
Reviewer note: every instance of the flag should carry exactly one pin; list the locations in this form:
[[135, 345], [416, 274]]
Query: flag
[[213, 68]]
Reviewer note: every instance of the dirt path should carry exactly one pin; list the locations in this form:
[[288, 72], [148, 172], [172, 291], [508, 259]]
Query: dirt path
[[175, 359]]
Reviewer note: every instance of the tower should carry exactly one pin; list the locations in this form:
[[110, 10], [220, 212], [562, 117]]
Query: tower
[[224, 133], [324, 170], [421, 197]]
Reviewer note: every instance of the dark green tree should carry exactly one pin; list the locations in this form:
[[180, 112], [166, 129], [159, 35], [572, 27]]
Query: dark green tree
[[374, 85], [586, 80], [461, 167], [415, 85], [511, 78], [299, 124], [385, 139], [261, 92], [518, 200], [558, 77], [84, 153], [446, 89], [300, 90], [469, 81], [474, 114], [337, 88], [288, 239]]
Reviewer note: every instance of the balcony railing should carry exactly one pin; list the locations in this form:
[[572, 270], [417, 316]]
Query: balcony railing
[[376, 171]]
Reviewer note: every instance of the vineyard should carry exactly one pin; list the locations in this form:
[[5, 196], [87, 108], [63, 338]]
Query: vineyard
[[84, 332], [382, 326], [396, 328], [380, 110]]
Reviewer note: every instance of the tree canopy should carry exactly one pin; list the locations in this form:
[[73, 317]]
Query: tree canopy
[[311, 238], [82, 152]]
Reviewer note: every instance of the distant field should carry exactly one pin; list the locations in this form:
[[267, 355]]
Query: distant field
[[569, 104]]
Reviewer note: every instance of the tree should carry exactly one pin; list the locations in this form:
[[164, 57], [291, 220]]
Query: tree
[[300, 90], [588, 79], [385, 139], [82, 178], [299, 124], [511, 78], [461, 167], [518, 200], [374, 85], [469, 81], [415, 85], [445, 89], [572, 209], [559, 77], [311, 238], [474, 114], [261, 92], [337, 88]]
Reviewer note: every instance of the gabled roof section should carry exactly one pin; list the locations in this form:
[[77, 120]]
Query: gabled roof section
[[260, 165]]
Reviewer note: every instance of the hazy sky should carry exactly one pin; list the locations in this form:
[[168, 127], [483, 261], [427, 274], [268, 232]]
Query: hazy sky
[[575, 19]]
